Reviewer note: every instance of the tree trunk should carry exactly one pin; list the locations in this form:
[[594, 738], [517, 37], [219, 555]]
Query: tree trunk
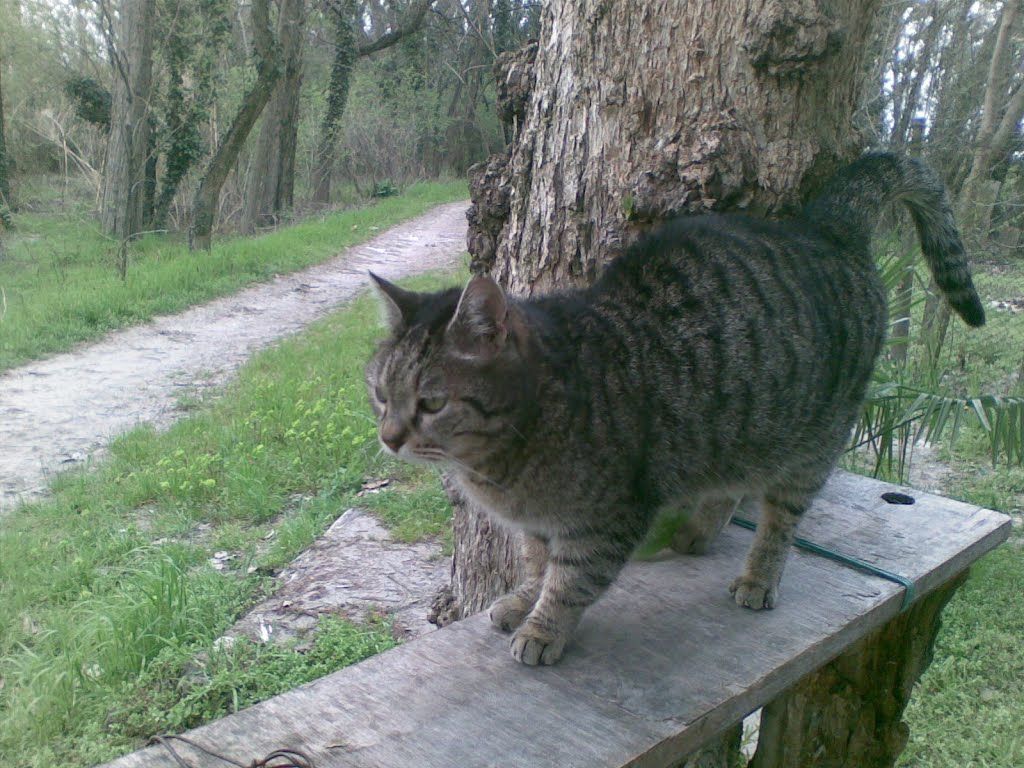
[[998, 124], [849, 713], [268, 70], [124, 180], [5, 182], [346, 51], [337, 98], [270, 187], [639, 111]]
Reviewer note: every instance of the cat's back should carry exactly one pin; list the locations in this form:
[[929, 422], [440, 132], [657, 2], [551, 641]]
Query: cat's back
[[728, 251]]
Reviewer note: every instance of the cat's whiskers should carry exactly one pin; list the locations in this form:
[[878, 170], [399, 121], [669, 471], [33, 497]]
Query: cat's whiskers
[[463, 465]]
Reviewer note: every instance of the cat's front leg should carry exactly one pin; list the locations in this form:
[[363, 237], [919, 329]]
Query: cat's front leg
[[578, 572], [758, 587], [508, 611]]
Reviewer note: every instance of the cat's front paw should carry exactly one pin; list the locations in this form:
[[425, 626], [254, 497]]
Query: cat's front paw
[[754, 593], [535, 644], [508, 612]]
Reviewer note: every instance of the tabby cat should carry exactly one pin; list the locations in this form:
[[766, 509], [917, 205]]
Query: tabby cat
[[720, 359]]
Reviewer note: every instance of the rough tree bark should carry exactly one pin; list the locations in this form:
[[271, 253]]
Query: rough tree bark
[[124, 179], [268, 70], [270, 186], [346, 52], [632, 112]]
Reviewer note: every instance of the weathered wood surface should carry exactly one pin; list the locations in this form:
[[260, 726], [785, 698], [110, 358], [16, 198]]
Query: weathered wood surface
[[662, 664]]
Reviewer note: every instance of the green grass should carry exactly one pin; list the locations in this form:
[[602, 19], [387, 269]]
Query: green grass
[[968, 707], [61, 285], [109, 605]]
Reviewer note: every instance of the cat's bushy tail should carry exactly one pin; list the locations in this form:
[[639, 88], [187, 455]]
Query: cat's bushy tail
[[853, 200]]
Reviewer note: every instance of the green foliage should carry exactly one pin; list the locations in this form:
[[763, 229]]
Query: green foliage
[[62, 288], [195, 33], [419, 510], [933, 395], [384, 189], [109, 604], [91, 99], [188, 686]]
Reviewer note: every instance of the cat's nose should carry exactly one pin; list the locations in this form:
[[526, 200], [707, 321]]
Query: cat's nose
[[392, 434]]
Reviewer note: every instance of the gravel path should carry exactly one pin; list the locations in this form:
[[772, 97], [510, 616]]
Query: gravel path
[[59, 412]]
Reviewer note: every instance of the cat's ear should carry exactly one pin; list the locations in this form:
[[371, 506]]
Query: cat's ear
[[399, 304], [478, 328]]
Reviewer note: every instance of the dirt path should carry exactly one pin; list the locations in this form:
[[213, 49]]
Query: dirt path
[[59, 412]]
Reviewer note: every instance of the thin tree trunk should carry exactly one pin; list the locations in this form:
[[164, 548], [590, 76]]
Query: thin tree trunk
[[124, 182], [268, 70], [270, 187], [997, 124], [337, 98], [5, 182], [346, 51], [903, 300]]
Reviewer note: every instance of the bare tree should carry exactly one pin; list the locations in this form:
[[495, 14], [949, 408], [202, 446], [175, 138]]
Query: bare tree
[[347, 49], [1000, 117], [270, 186], [5, 184], [124, 179], [268, 71]]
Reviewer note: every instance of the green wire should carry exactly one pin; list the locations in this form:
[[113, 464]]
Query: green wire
[[853, 562]]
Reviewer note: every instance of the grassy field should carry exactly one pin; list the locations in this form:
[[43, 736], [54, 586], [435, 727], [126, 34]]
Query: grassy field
[[109, 604], [59, 282], [110, 607]]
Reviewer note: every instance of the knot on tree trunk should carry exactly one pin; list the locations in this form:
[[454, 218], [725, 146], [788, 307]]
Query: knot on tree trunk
[[489, 190], [789, 35], [708, 172], [515, 75]]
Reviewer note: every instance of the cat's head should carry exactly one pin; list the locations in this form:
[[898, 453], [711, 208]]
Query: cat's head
[[450, 384]]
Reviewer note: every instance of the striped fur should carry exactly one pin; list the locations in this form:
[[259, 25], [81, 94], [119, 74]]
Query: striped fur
[[721, 359]]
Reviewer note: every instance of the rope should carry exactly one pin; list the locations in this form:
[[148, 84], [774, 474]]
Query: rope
[[279, 758], [853, 562]]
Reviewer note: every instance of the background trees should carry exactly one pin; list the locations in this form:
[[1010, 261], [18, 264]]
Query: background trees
[[167, 124]]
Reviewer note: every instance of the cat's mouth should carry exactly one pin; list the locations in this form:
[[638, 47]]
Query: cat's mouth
[[422, 454]]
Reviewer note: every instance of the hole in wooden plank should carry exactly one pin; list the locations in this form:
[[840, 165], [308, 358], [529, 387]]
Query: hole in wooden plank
[[897, 498]]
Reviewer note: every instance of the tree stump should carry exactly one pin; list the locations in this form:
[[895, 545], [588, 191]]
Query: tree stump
[[849, 713], [723, 752]]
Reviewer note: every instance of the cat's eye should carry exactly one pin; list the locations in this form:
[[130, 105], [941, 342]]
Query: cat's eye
[[381, 397], [433, 404]]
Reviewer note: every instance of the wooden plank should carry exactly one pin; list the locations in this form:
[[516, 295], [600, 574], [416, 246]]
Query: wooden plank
[[664, 662]]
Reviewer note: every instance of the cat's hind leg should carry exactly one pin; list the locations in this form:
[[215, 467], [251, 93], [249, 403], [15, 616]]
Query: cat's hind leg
[[758, 587], [695, 534], [508, 611]]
